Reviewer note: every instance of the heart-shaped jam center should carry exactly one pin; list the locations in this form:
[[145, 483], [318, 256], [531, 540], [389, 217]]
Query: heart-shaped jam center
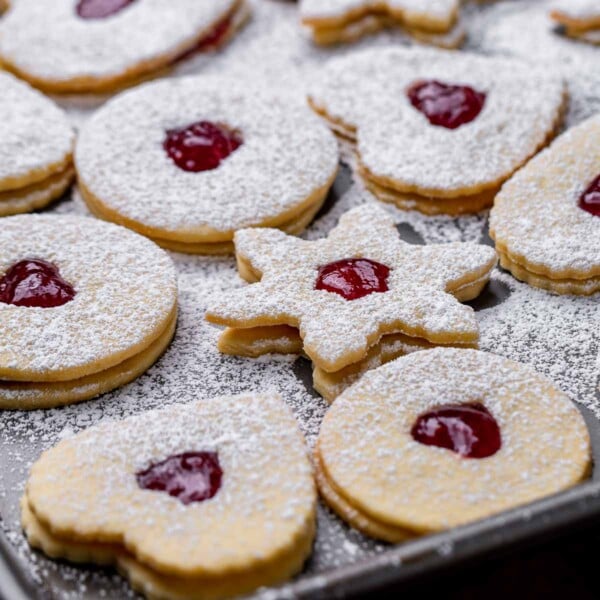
[[444, 104], [353, 278], [590, 199], [36, 283], [100, 9], [467, 429], [201, 146], [189, 477]]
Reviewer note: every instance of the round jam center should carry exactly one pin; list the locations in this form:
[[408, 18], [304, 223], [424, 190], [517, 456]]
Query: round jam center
[[189, 477], [201, 146], [35, 283], [467, 429], [100, 9], [590, 199], [444, 104], [353, 278]]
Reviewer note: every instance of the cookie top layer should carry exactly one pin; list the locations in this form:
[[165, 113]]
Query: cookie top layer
[[367, 91], [287, 155], [337, 331], [577, 9], [49, 41], [536, 217], [369, 455], [415, 12], [126, 295], [86, 489], [37, 138]]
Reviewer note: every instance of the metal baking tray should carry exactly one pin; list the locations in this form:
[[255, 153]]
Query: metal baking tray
[[344, 563]]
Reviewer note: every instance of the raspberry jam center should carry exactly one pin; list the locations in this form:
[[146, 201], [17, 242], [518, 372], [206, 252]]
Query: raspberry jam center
[[590, 199], [100, 9], [353, 278], [444, 104], [467, 429], [201, 146], [35, 283], [189, 477]]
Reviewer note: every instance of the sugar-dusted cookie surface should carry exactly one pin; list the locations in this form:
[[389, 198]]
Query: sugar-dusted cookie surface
[[443, 437], [342, 307], [97, 45], [546, 219], [182, 498], [36, 149], [577, 15], [438, 125], [77, 297], [211, 156]]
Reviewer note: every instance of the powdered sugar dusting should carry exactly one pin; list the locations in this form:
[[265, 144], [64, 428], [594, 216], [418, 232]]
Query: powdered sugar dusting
[[578, 9]]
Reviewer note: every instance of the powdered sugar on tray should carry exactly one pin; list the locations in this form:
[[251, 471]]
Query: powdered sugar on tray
[[557, 335]]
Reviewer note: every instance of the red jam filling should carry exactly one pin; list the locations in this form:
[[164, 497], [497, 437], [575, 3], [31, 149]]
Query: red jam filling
[[444, 104], [36, 283], [201, 146], [467, 429], [353, 278], [590, 199], [100, 9], [189, 477]]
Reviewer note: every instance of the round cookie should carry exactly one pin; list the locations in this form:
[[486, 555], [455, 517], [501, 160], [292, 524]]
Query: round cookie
[[444, 437], [434, 130], [546, 219], [164, 496], [99, 45], [36, 150], [85, 306], [210, 156]]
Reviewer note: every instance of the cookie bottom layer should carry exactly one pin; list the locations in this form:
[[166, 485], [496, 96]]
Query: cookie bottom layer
[[158, 586], [141, 72], [32, 396], [591, 36], [579, 287], [37, 195]]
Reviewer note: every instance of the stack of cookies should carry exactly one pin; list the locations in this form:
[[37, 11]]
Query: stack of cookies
[[36, 151], [339, 21], [580, 19], [352, 301], [435, 131]]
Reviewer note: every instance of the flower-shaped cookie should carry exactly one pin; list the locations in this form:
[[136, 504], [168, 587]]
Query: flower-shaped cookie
[[194, 501], [444, 437], [430, 21], [35, 151], [434, 130], [546, 219], [101, 45], [344, 292]]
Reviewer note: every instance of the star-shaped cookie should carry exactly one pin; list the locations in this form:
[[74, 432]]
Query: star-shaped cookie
[[411, 287]]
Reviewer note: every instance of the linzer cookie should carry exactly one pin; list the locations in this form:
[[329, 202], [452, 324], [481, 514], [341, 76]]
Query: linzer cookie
[[165, 495], [342, 294], [85, 307], [436, 131], [444, 437], [101, 45], [35, 149], [429, 21], [546, 219], [187, 162], [580, 19]]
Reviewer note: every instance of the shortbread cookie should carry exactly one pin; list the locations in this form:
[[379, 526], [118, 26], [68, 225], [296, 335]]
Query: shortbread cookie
[[172, 498], [210, 156], [101, 45], [577, 15], [85, 306], [35, 150], [546, 219], [444, 437], [437, 131], [344, 292]]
